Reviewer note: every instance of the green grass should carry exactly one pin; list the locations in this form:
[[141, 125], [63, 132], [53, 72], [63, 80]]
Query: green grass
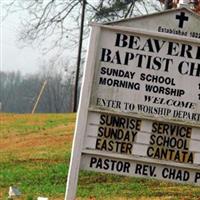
[[35, 179], [25, 123], [37, 162]]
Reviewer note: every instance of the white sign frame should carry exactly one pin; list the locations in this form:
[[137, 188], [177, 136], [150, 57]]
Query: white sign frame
[[81, 124], [72, 179]]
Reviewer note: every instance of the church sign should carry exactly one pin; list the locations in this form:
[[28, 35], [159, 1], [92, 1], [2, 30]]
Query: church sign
[[147, 75], [140, 104]]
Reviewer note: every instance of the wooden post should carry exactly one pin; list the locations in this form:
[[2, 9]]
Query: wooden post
[[39, 96]]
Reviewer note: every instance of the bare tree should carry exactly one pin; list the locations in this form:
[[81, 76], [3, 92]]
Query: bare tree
[[58, 90], [17, 91], [59, 20]]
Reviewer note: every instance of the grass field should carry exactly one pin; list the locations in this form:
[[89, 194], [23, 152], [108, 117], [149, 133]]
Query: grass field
[[34, 156]]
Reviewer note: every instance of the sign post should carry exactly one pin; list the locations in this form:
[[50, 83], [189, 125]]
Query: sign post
[[140, 105]]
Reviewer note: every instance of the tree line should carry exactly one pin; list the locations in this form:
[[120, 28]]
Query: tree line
[[18, 92]]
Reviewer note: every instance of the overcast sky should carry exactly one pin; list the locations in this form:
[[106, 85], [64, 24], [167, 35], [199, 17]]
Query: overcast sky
[[27, 59], [13, 57]]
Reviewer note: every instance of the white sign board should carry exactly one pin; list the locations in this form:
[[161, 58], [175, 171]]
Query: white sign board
[[180, 22], [148, 75], [139, 111]]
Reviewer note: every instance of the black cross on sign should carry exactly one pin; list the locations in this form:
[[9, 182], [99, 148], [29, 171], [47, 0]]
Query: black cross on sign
[[181, 19]]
